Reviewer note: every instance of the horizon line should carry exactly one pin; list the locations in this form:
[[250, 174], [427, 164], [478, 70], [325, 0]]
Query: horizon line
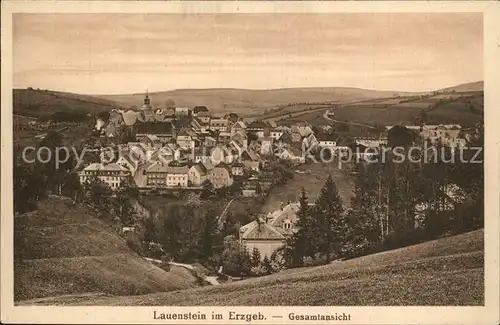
[[251, 89]]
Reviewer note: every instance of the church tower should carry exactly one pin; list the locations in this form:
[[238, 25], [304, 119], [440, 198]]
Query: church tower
[[147, 102]]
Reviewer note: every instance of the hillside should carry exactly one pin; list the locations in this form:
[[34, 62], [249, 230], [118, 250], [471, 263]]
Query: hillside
[[62, 249], [447, 271], [33, 102], [246, 101], [471, 86], [451, 108]]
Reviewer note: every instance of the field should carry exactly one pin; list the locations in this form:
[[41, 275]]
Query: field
[[62, 249], [373, 112], [312, 180], [443, 272]]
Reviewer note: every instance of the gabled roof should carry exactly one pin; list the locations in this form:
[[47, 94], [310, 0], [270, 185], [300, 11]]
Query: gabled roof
[[105, 167], [239, 124], [249, 155], [260, 230], [129, 117], [200, 168], [289, 212], [127, 158]]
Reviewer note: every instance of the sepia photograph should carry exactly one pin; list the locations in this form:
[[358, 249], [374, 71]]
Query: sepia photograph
[[247, 159]]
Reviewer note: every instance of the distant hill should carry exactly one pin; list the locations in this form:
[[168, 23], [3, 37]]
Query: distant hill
[[245, 102], [248, 102], [468, 87], [443, 272], [62, 249], [33, 102]]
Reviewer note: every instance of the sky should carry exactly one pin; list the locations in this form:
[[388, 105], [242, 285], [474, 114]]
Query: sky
[[131, 53]]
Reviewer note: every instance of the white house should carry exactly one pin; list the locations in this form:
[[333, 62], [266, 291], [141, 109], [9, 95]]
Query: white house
[[112, 175], [197, 174]]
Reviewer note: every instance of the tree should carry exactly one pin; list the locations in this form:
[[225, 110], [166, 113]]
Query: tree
[[29, 187], [301, 244], [208, 190], [329, 223], [150, 231], [99, 195], [236, 260], [400, 136], [209, 241], [124, 210], [266, 264], [255, 257], [364, 218]]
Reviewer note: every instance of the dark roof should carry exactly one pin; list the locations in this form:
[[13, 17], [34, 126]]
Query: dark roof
[[153, 127], [198, 109], [257, 125]]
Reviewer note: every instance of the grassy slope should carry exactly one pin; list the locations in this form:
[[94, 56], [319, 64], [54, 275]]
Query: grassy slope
[[448, 271], [313, 180], [38, 102], [62, 249], [246, 101]]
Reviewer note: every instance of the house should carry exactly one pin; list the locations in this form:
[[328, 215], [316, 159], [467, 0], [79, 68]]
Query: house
[[237, 169], [204, 117], [266, 145], [292, 154], [224, 154], [257, 127], [219, 124], [165, 131], [300, 132], [221, 176], [250, 160], [310, 142], [113, 175], [202, 154], [210, 141], [197, 174], [151, 140], [326, 142], [199, 109], [185, 141], [261, 236], [182, 111], [160, 174], [240, 139], [238, 127], [128, 161], [269, 234], [156, 174], [224, 137]]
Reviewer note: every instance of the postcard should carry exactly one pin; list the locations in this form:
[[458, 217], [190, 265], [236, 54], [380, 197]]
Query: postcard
[[230, 162]]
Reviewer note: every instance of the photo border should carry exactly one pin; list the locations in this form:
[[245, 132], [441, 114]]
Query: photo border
[[489, 314]]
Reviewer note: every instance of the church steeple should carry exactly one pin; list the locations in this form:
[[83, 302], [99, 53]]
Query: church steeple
[[147, 102]]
